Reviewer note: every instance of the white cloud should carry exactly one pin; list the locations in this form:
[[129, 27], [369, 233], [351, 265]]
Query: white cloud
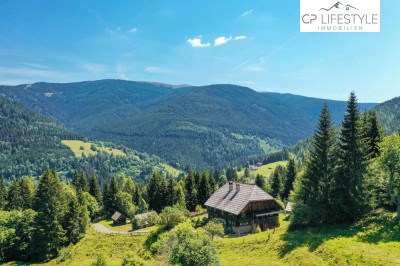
[[196, 42], [248, 12], [221, 40], [133, 30], [241, 37]]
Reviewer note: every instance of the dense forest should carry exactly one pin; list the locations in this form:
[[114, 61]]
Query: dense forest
[[31, 143], [209, 126]]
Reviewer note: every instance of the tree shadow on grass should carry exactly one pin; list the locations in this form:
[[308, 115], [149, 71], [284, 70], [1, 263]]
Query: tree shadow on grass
[[382, 227]]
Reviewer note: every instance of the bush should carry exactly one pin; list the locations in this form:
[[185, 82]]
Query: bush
[[132, 259], [258, 229], [81, 148], [100, 261], [150, 219], [65, 254], [214, 228], [171, 216]]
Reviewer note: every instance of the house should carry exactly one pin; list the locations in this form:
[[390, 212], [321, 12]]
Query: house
[[253, 167], [118, 218], [289, 207], [259, 164], [243, 207]]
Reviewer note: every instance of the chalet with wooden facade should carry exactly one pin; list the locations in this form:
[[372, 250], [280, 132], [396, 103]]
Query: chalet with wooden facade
[[243, 207]]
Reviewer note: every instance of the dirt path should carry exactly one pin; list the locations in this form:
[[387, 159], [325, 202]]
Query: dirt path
[[98, 227]]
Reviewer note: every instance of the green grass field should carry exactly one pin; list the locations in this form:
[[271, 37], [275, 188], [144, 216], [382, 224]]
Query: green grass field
[[119, 228], [373, 241], [80, 147], [265, 170]]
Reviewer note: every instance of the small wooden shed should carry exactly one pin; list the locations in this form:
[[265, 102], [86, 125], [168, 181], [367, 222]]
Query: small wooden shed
[[118, 218]]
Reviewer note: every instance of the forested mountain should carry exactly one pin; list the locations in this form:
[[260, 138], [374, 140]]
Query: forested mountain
[[195, 127], [389, 114], [312, 106], [31, 143]]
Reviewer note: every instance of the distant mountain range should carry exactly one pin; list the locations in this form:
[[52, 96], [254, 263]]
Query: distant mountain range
[[192, 127]]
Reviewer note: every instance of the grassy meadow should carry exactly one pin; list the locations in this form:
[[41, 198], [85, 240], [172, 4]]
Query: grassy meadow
[[373, 241], [79, 148], [265, 170]]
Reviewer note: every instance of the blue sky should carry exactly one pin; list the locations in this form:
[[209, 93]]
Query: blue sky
[[252, 43]]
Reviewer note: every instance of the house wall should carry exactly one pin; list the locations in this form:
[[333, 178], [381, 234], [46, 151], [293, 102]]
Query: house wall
[[243, 229]]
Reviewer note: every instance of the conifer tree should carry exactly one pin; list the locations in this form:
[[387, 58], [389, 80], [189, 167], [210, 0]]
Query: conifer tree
[[3, 193], [170, 191], [15, 199], [191, 191], [374, 135], [156, 192], [276, 182], [180, 200], [94, 188], [260, 181], [312, 195], [289, 180], [204, 189], [348, 187], [49, 235], [76, 220]]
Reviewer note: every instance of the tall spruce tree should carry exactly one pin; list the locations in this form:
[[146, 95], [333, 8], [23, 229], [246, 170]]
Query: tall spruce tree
[[94, 188], [170, 195], [204, 190], [156, 192], [3, 193], [312, 194], [348, 187], [374, 135], [289, 179], [191, 191], [49, 235], [276, 182], [260, 181]]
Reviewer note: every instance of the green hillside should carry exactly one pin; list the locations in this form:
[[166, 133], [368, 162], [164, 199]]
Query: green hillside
[[192, 127], [389, 115], [373, 241], [31, 143]]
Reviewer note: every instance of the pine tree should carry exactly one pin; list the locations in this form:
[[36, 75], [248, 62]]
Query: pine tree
[[191, 191], [312, 195], [156, 192], [76, 221], [276, 182], [14, 198], [49, 235], [170, 194], [180, 200], [260, 181], [289, 179], [94, 189], [204, 190], [374, 135], [348, 195], [3, 193], [80, 181]]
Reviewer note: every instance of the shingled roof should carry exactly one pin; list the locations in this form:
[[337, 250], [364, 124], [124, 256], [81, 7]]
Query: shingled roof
[[233, 201]]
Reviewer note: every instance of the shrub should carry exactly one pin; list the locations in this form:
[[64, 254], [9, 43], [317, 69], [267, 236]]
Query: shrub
[[258, 229], [100, 261], [132, 259], [214, 228], [65, 254], [170, 217]]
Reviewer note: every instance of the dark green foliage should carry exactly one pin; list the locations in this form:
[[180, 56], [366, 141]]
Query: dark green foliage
[[170, 192], [110, 196], [94, 188], [79, 181], [49, 236], [75, 221], [231, 174], [348, 187], [260, 181], [156, 191], [289, 179], [21, 194], [191, 191], [16, 229], [312, 196], [276, 181], [205, 188], [372, 133], [3, 193], [171, 216]]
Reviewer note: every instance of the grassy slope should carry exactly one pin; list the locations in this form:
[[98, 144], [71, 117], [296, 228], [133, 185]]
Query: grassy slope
[[265, 170], [376, 241], [75, 146], [119, 228]]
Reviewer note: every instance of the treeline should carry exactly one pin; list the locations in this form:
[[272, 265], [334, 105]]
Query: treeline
[[40, 219], [343, 174]]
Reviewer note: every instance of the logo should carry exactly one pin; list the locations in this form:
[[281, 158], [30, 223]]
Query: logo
[[336, 16]]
